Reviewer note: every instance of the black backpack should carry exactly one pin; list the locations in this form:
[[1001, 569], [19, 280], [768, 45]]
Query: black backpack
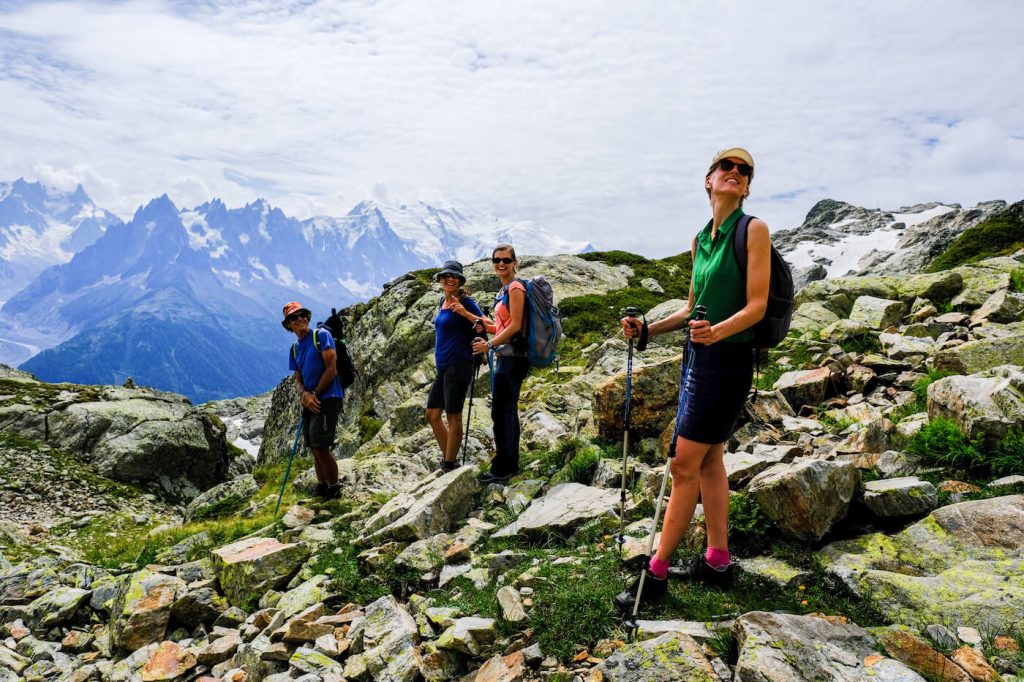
[[343, 361], [774, 326]]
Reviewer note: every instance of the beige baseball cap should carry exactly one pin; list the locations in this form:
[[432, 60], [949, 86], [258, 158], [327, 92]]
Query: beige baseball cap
[[736, 153]]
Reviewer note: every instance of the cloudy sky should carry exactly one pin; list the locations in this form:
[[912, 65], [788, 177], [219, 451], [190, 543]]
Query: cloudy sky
[[596, 119]]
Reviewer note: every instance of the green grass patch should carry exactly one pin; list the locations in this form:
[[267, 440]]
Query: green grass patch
[[594, 318], [941, 442], [14, 440], [573, 606], [794, 355], [1000, 235], [369, 425], [862, 343], [750, 530], [1017, 280], [580, 468], [339, 561]]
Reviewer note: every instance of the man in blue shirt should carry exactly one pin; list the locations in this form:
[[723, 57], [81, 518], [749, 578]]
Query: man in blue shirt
[[312, 359]]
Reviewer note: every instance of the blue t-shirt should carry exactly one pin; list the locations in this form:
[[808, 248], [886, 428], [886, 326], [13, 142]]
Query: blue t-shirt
[[453, 334], [308, 360]]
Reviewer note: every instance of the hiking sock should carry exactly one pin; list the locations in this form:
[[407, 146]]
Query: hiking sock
[[658, 568], [717, 559]]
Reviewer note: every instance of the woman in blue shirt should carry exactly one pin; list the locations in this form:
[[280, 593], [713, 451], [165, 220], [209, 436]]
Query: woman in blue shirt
[[453, 357]]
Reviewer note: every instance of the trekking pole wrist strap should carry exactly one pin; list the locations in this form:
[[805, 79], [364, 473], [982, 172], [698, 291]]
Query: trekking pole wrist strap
[[641, 344]]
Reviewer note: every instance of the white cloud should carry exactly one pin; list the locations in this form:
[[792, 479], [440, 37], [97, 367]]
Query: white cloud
[[596, 120]]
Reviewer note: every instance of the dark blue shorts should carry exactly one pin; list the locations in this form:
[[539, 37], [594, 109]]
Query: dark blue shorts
[[714, 383]]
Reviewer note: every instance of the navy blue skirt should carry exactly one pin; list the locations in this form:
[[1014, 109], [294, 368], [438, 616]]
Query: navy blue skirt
[[713, 386]]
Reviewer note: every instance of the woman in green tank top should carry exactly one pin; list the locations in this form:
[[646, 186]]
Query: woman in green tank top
[[716, 374]]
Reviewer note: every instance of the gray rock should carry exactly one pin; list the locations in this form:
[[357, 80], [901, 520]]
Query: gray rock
[[781, 647], [894, 463], [248, 568], [700, 632], [56, 607], [429, 508], [1000, 307], [467, 635], [774, 571], [425, 555], [565, 507], [900, 347], [988, 404], [308, 660], [652, 285], [200, 606], [140, 435], [179, 553], [900, 497], [961, 564], [142, 609], [943, 637], [389, 640], [805, 387], [1016, 481], [511, 604], [223, 498], [807, 497], [977, 356], [672, 657], [877, 313], [309, 593], [812, 317]]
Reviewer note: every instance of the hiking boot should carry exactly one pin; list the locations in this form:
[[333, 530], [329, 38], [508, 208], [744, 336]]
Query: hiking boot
[[447, 466], [654, 589], [696, 569], [486, 477], [320, 490], [332, 492]]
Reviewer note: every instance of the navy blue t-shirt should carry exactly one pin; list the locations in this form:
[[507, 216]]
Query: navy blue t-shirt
[[453, 334], [308, 360]]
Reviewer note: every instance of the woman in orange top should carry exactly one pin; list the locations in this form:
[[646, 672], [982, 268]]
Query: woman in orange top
[[509, 348]]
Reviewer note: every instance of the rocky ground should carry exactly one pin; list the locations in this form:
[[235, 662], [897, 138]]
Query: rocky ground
[[876, 514]]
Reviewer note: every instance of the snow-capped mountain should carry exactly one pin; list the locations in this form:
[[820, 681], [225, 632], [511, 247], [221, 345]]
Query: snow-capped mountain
[[838, 239], [206, 284], [42, 226]]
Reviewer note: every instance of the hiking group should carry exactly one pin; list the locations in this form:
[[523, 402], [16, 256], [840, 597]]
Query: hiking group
[[740, 299]]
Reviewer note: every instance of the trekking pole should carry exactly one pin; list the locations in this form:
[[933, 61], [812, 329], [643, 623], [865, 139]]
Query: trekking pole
[[469, 414], [630, 313], [699, 313], [289, 467]]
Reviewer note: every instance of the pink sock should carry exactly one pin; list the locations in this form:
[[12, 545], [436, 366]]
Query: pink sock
[[717, 558], [658, 568]]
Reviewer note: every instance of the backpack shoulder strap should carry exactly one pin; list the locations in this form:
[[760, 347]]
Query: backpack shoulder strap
[[739, 244], [295, 351]]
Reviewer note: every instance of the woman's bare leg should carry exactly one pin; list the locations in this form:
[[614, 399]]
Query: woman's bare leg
[[433, 416], [714, 495], [686, 482]]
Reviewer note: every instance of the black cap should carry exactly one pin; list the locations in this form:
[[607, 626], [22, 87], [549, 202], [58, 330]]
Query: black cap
[[452, 267]]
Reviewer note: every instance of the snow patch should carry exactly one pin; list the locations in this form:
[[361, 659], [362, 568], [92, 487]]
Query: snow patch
[[911, 219], [846, 253]]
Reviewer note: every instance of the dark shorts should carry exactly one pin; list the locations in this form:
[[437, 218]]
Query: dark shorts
[[450, 386], [714, 383], [319, 430]]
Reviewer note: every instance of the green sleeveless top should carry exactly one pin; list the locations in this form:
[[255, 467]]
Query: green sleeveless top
[[717, 280]]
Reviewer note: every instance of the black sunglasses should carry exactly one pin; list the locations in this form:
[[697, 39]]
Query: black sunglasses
[[742, 168], [296, 316], [506, 261]]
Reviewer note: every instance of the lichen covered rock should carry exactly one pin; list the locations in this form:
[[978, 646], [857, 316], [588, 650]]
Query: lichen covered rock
[[248, 568]]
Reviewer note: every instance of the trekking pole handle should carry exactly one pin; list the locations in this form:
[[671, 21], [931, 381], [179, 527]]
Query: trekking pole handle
[[631, 311], [699, 313]]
